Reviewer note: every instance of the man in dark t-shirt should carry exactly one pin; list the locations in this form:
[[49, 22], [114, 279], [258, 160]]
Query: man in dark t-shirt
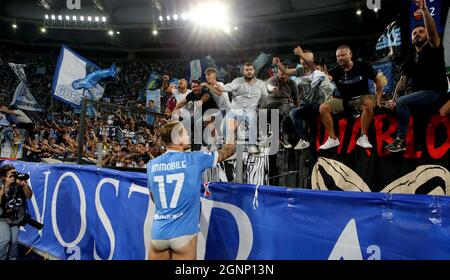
[[351, 79], [203, 105], [425, 67]]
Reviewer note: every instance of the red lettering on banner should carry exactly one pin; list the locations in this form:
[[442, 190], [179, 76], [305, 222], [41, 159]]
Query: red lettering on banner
[[342, 130], [410, 151], [384, 136], [354, 136], [387, 136], [434, 152]]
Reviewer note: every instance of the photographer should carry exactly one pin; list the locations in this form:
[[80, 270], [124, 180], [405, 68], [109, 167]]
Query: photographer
[[14, 191]]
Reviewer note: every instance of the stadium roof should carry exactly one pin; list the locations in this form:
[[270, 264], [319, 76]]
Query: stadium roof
[[262, 24]]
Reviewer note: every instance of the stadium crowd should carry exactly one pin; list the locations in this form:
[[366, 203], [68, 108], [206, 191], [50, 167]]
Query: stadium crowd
[[131, 138]]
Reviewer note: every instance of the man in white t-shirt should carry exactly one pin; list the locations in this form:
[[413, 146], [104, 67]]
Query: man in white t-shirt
[[182, 90], [221, 98], [248, 93], [180, 94]]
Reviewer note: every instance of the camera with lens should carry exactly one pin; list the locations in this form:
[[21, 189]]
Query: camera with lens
[[21, 176], [31, 222], [14, 191]]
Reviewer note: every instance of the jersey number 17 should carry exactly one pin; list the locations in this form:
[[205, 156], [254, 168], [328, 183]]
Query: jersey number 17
[[179, 178]]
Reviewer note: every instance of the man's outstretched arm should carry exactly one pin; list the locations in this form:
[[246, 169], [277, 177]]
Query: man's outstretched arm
[[227, 151]]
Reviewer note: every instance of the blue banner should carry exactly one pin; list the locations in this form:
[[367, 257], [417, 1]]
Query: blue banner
[[384, 70], [95, 213], [153, 81], [434, 6], [155, 97]]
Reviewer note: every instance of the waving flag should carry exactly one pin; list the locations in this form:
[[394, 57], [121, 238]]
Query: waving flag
[[19, 70], [391, 37], [196, 70], [221, 72], [153, 81], [93, 78], [75, 77], [260, 61], [23, 98]]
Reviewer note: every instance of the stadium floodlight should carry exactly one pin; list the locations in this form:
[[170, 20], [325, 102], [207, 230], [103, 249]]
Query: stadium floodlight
[[89, 18], [175, 17], [117, 32], [97, 19], [111, 33], [81, 18], [168, 18], [236, 28], [43, 30], [358, 12], [53, 17], [161, 18], [59, 17], [184, 17], [14, 26], [210, 15], [74, 18], [46, 17], [67, 17], [103, 19], [155, 32]]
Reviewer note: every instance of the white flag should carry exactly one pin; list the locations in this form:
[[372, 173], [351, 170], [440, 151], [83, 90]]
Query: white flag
[[24, 100], [19, 71], [391, 37], [71, 68]]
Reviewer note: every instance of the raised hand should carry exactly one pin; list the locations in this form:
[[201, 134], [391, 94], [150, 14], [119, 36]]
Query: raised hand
[[422, 5], [298, 51]]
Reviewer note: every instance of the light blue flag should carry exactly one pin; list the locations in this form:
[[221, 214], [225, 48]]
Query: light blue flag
[[76, 77], [260, 61], [196, 70], [221, 72], [93, 78]]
